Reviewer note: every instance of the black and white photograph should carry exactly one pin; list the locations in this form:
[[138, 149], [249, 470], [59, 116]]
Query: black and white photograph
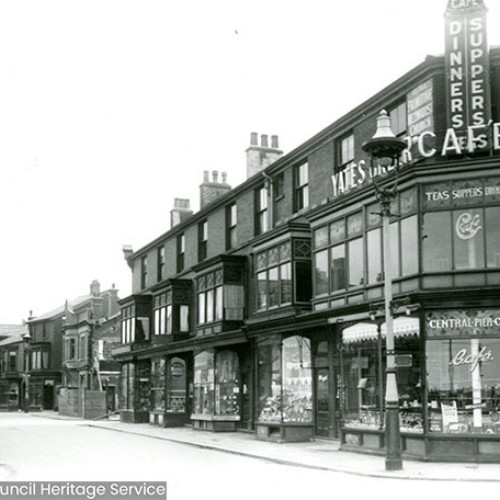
[[250, 249]]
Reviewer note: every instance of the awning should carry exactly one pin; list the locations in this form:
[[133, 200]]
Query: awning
[[403, 326]]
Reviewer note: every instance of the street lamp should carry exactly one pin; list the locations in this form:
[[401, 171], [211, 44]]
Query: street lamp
[[385, 146], [26, 375]]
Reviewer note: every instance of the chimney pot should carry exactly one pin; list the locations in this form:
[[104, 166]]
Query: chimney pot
[[95, 288], [224, 177], [274, 142], [263, 141], [215, 176], [254, 141], [206, 176]]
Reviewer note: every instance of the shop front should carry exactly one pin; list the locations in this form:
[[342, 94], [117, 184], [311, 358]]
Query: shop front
[[285, 389], [135, 391], [221, 389], [448, 384], [169, 391]]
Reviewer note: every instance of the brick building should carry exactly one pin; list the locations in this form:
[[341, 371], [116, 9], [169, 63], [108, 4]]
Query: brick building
[[12, 372], [69, 353], [263, 311]]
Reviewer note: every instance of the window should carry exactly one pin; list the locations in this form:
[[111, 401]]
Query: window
[[231, 221], [71, 346], [12, 361], [39, 358], [398, 117], [202, 240], [346, 150], [161, 262], [463, 383], [144, 271], [128, 324], [181, 248], [261, 216], [274, 274], [353, 246], [158, 384], [162, 310], [301, 187], [363, 360], [210, 297], [284, 381]]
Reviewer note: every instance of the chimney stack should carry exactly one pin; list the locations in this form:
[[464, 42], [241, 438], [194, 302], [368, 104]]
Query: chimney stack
[[181, 210], [95, 288], [260, 157], [210, 191]]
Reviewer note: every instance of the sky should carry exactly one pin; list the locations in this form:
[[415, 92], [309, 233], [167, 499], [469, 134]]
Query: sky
[[110, 109]]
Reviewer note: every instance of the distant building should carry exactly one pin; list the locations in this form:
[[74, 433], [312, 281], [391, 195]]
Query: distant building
[[12, 374], [69, 354]]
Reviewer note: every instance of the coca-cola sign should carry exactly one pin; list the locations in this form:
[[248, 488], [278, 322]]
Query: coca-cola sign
[[468, 225]]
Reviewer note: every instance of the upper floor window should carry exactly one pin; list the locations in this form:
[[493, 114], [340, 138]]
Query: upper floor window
[[346, 150], [181, 248], [162, 310], [39, 358], [128, 324], [70, 348], [399, 121], [202, 240], [341, 247], [161, 262], [461, 226], [210, 297], [301, 186], [261, 217], [274, 274], [12, 361], [144, 271], [231, 222]]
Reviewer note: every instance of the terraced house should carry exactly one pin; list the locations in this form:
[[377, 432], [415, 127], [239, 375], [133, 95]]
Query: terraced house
[[263, 312]]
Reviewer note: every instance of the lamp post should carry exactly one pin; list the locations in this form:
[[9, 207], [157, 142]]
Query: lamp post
[[385, 145], [26, 375]]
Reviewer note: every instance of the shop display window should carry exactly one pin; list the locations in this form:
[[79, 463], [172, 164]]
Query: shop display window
[[217, 384], [204, 383], [158, 384], [143, 401], [464, 385], [363, 380], [285, 381], [227, 387], [176, 386]]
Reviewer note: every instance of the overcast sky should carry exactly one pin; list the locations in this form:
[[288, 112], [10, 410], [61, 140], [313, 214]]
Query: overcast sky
[[111, 108]]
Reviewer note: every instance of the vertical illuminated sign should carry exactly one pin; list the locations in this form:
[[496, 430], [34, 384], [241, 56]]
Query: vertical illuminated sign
[[467, 73]]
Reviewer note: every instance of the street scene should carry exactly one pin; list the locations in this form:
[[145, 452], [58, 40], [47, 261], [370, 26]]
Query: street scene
[[44, 448], [251, 248]]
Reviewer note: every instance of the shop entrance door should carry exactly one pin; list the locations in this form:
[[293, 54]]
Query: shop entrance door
[[48, 397], [322, 405]]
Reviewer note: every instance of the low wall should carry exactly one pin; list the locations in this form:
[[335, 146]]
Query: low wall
[[82, 404], [69, 405]]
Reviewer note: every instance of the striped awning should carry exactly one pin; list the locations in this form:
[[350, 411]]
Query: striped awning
[[403, 326]]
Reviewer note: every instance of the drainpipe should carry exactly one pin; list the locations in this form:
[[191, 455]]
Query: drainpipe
[[270, 198]]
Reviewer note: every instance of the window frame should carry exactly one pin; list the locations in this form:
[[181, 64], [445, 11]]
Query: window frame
[[301, 186], [202, 240], [231, 226], [261, 210]]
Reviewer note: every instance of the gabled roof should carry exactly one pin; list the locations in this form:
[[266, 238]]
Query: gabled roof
[[13, 333], [10, 330], [72, 304]]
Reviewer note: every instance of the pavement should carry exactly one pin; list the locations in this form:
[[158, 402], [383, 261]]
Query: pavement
[[318, 454]]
